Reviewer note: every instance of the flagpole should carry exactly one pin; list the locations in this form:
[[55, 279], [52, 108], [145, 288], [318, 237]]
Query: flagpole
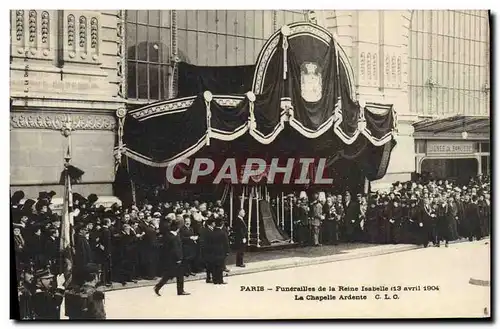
[[67, 243]]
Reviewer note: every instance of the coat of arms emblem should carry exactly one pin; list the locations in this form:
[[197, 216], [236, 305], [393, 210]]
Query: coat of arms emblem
[[311, 83]]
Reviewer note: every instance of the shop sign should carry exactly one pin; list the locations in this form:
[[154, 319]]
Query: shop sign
[[450, 147]]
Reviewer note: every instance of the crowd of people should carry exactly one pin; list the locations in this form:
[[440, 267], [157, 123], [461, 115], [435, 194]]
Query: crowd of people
[[140, 242], [414, 212]]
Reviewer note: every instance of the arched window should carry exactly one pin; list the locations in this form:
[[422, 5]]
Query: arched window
[[204, 37], [449, 62]]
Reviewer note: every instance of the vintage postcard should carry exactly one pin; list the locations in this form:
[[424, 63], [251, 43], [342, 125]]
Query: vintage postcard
[[250, 164]]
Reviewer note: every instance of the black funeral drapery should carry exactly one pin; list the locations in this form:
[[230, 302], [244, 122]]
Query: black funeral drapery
[[268, 104], [379, 124], [350, 109], [314, 86], [221, 80], [227, 119], [173, 132], [315, 81]]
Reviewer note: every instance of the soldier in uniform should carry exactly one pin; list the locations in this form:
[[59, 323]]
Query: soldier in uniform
[[316, 218], [46, 300]]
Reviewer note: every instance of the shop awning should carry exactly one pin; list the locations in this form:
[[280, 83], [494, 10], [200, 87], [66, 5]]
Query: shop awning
[[477, 128]]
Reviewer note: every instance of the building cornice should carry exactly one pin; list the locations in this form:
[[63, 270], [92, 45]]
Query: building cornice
[[57, 121]]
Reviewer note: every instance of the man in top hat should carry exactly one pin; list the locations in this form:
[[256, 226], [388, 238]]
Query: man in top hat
[[148, 248], [351, 219], [426, 222], [395, 218], [173, 259], [46, 301], [83, 255], [302, 215], [413, 225], [92, 199], [371, 226], [189, 245], [383, 220], [51, 250], [483, 215], [330, 234], [471, 226], [240, 230], [205, 248], [126, 255], [216, 250], [452, 217], [34, 247], [104, 249]]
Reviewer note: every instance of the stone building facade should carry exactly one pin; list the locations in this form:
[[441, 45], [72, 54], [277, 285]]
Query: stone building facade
[[76, 68]]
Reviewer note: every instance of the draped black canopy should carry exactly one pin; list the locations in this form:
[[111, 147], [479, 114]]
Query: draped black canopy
[[296, 101]]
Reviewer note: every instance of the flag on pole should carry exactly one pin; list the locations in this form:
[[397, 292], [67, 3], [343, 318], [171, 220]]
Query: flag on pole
[[67, 226]]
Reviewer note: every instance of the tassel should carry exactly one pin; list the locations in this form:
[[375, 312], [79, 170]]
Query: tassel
[[120, 113], [208, 98], [362, 120], [285, 31], [394, 122], [252, 125]]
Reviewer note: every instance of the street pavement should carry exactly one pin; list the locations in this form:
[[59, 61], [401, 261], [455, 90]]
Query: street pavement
[[267, 260], [421, 283]]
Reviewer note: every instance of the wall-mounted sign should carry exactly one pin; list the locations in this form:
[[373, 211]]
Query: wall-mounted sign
[[450, 147]]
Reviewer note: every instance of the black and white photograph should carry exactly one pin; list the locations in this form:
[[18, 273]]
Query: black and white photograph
[[272, 164]]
